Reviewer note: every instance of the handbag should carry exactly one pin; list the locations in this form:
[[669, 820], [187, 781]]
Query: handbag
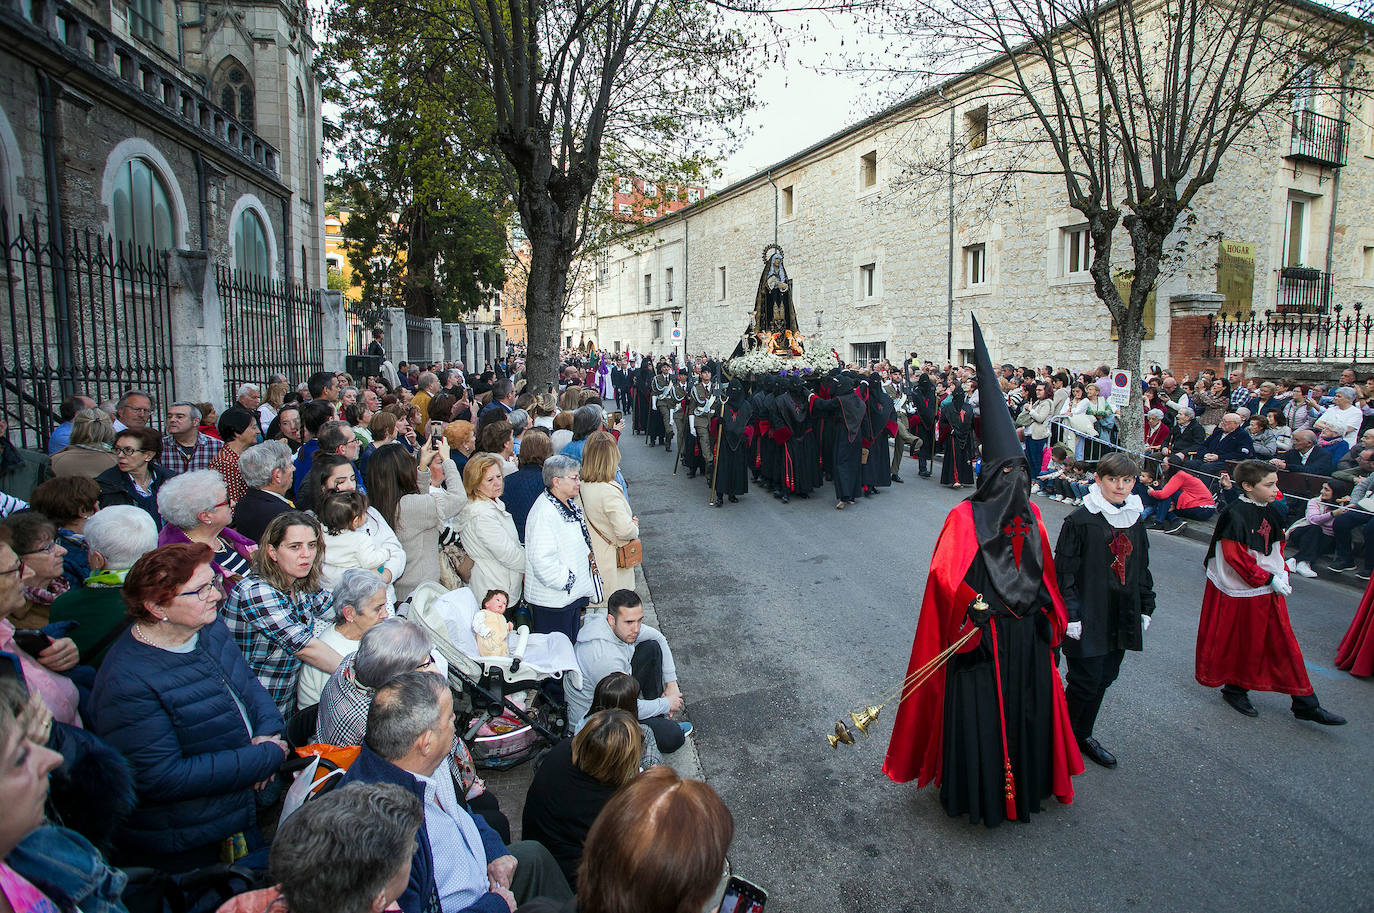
[[631, 554], [455, 564], [1366, 504], [1024, 419]]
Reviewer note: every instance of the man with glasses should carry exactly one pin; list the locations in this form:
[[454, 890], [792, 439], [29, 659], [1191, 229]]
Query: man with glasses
[[185, 447], [134, 410]]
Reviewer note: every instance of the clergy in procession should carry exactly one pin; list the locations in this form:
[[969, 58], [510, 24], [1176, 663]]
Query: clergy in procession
[[1102, 562], [990, 726]]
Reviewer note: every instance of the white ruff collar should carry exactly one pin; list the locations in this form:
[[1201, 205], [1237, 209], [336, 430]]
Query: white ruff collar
[[1118, 517]]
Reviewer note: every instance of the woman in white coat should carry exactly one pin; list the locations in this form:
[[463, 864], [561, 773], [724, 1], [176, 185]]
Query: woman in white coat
[[488, 532], [560, 569], [607, 511]]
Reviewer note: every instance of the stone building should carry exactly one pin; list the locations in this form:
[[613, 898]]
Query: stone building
[[168, 125], [886, 259]]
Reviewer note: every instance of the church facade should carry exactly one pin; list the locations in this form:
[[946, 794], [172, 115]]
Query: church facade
[[166, 124], [887, 258]]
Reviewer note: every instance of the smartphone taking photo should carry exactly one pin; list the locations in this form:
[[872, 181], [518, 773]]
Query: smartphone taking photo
[[742, 897]]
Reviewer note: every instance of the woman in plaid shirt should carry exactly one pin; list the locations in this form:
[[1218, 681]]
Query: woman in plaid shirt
[[277, 613]]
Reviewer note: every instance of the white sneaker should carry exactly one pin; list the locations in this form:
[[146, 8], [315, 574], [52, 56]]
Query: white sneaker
[[1056, 497], [1304, 569], [1035, 488], [1291, 564]]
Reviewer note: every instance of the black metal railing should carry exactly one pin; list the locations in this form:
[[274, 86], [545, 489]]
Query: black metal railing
[[1318, 138], [358, 336], [1341, 335], [83, 315], [417, 338], [1303, 290], [270, 327]]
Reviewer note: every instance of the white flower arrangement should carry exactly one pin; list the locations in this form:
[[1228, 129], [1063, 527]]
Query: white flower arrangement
[[760, 362]]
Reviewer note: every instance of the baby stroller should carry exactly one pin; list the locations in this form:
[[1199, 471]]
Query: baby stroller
[[504, 711]]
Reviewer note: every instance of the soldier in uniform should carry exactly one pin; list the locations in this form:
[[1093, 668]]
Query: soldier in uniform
[[699, 402], [893, 387], [665, 402], [681, 421]]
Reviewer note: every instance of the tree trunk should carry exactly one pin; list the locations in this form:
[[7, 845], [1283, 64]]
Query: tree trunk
[[544, 293], [1131, 421]]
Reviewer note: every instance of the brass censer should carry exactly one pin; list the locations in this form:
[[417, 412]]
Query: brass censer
[[865, 717]]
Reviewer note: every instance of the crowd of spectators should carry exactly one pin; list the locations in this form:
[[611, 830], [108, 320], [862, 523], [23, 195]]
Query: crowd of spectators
[[1320, 436], [186, 604]]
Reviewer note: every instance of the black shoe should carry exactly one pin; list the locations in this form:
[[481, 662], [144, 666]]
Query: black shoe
[[924, 475], [899, 480], [1363, 574], [1320, 715], [1340, 567], [667, 448], [1094, 752], [1241, 703], [1176, 526], [776, 493], [734, 500], [713, 503], [784, 498], [691, 473]]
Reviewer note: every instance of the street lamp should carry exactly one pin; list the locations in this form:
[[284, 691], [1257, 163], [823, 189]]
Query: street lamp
[[677, 334], [676, 312]]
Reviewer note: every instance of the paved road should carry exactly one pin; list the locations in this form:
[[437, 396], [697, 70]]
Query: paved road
[[784, 616]]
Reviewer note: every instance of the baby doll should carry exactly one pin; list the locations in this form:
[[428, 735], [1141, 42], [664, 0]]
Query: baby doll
[[490, 625]]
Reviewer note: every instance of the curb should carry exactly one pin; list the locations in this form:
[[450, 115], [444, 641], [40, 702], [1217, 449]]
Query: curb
[[686, 761]]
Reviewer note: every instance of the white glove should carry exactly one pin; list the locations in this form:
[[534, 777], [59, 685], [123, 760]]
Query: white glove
[[1281, 585], [1144, 623], [1074, 630]]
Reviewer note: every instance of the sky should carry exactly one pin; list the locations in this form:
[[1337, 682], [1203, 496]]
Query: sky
[[802, 101]]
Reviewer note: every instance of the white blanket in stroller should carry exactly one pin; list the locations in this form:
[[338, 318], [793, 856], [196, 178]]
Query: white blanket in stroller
[[545, 653]]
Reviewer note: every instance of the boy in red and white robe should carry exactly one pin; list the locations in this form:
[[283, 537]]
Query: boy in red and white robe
[[1244, 639]]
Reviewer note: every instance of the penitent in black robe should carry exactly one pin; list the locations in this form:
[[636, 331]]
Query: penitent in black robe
[[730, 436], [850, 417], [958, 462], [798, 459]]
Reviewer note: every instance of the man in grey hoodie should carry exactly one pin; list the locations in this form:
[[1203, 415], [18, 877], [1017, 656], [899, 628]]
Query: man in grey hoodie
[[619, 641]]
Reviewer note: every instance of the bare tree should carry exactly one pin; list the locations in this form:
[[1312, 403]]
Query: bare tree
[[1136, 105], [645, 84]]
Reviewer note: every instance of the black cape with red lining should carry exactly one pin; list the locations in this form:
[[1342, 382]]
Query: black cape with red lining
[[950, 730]]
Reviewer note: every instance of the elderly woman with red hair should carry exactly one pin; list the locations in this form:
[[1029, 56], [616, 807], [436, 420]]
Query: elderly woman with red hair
[[176, 698]]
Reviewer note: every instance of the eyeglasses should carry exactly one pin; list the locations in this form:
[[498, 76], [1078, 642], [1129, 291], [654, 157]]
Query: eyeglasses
[[206, 593], [14, 570], [42, 549], [426, 664], [139, 410], [129, 451]]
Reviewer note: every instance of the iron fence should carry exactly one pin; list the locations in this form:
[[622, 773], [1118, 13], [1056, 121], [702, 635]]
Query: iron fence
[[270, 327], [86, 316], [1339, 335], [358, 335], [417, 338]]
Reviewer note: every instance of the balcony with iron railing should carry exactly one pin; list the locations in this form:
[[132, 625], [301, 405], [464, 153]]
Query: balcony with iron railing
[[1319, 139], [1302, 290], [85, 44]]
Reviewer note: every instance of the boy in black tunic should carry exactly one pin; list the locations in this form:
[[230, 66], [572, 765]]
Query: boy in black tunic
[[1103, 563]]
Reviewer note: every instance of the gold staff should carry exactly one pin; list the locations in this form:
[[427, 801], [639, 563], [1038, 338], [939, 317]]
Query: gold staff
[[866, 716]]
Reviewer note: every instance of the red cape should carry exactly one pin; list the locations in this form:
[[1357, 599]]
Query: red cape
[[1356, 654], [915, 750]]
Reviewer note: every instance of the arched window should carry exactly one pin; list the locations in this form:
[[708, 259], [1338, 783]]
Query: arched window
[[142, 210], [251, 254], [235, 91], [303, 177]]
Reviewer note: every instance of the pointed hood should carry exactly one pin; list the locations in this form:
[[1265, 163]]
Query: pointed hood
[[1012, 557], [997, 430]]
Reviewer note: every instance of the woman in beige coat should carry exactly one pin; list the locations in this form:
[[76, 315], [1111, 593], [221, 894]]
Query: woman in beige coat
[[90, 450], [607, 511], [416, 500], [488, 532]]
